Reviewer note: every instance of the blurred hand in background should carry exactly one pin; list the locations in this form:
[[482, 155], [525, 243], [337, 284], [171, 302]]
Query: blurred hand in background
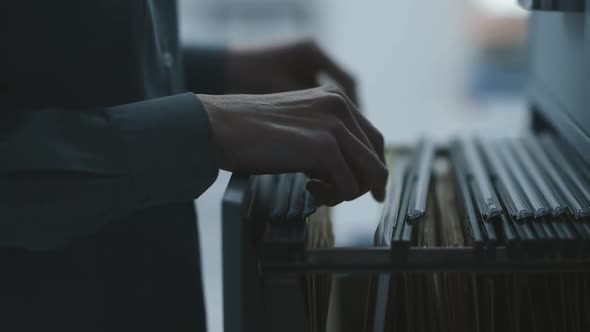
[[284, 67]]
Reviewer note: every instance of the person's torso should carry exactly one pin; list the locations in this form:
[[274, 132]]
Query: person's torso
[[138, 273], [79, 54]]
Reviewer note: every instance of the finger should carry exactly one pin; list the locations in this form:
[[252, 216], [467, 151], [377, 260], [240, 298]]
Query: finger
[[379, 193], [349, 119], [323, 193], [350, 126], [378, 144], [373, 141], [370, 131], [373, 135], [335, 171], [341, 76], [370, 172]]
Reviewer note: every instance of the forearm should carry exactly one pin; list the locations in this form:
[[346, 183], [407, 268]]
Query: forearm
[[66, 173]]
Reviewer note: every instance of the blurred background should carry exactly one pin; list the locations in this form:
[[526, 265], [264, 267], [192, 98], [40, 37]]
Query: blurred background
[[436, 68]]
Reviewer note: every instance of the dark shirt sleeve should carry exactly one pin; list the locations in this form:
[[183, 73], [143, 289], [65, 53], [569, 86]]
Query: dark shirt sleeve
[[204, 69], [66, 173]]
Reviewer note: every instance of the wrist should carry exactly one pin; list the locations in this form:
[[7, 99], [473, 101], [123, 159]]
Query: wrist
[[215, 112]]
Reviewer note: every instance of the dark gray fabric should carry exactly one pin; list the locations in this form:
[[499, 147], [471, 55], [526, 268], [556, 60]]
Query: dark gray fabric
[[84, 169], [140, 274], [205, 62], [101, 155]]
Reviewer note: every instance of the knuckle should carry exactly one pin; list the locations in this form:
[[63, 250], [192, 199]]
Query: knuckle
[[333, 88], [331, 107], [336, 89], [338, 104]]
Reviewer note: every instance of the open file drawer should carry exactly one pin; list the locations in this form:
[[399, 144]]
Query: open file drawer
[[268, 278], [525, 270]]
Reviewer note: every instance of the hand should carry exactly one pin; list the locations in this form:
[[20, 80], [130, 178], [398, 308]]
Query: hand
[[316, 131], [283, 67]]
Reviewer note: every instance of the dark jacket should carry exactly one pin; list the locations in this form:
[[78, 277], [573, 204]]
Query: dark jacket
[[102, 151]]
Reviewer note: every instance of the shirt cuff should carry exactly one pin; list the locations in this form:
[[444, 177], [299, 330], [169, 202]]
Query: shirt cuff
[[167, 147]]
